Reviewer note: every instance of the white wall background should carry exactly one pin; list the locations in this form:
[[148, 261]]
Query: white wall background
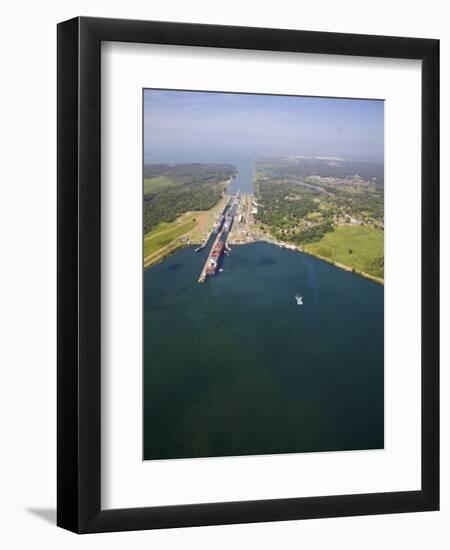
[[28, 271]]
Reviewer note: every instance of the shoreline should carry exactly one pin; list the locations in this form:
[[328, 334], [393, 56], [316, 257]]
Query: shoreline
[[345, 267], [296, 248], [178, 245], [185, 240], [162, 254]]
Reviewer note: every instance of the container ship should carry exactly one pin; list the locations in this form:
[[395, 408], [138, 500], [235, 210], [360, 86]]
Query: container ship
[[212, 263], [221, 228]]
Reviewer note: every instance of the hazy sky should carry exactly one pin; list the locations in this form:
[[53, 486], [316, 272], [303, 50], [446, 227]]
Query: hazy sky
[[195, 125]]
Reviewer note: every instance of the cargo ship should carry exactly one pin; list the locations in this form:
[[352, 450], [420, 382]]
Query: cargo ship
[[222, 229], [212, 263], [214, 256]]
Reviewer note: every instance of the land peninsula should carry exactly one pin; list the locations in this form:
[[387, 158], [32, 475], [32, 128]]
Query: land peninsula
[[181, 202], [329, 207]]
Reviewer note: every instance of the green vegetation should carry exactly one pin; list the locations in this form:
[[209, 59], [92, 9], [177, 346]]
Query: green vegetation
[[302, 167], [358, 247], [157, 184], [291, 211], [173, 189], [164, 233], [282, 202], [177, 199], [332, 208]]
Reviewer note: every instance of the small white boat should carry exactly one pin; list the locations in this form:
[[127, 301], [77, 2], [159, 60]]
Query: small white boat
[[299, 300]]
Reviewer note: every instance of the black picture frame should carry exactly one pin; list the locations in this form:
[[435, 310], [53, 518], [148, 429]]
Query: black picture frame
[[79, 280]]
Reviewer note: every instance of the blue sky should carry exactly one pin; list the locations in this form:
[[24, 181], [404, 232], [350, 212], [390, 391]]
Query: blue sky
[[196, 125]]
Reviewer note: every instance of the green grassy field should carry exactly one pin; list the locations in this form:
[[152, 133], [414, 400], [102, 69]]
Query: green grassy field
[[356, 246], [153, 185], [164, 233]]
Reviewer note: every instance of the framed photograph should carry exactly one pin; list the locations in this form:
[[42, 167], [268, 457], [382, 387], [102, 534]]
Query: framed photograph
[[248, 292]]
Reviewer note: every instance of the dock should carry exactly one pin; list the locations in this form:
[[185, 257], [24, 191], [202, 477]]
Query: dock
[[202, 246], [222, 227]]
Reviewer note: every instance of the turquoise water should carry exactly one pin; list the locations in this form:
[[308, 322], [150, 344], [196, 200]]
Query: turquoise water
[[236, 367]]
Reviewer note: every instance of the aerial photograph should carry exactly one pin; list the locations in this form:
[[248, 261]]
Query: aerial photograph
[[263, 282]]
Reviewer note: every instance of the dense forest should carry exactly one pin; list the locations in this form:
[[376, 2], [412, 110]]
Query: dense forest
[[303, 167], [292, 213], [172, 189], [193, 172]]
